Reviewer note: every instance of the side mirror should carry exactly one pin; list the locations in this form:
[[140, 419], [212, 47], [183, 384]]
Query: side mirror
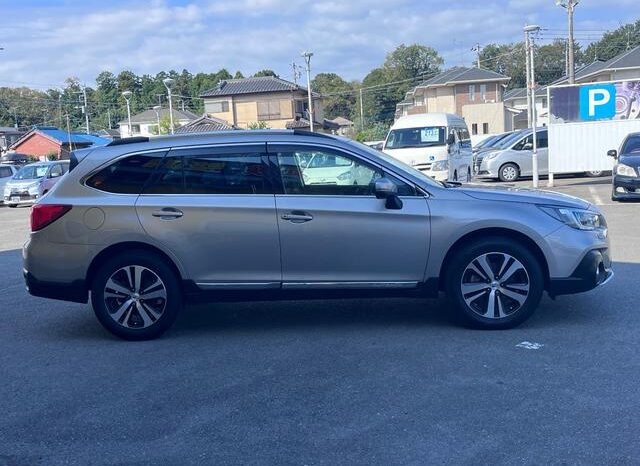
[[387, 189], [451, 139], [613, 153]]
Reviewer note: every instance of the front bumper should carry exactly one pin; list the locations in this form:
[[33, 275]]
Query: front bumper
[[626, 187], [20, 198], [437, 175], [594, 270]]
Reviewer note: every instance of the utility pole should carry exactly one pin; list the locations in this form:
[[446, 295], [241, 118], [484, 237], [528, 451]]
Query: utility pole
[[361, 112], [296, 72], [476, 49], [528, 74], [168, 82], [85, 110], [570, 5], [60, 110], [532, 85], [127, 97], [307, 58], [109, 116]]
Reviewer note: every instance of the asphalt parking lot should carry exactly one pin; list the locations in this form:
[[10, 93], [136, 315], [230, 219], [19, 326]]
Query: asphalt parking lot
[[327, 382]]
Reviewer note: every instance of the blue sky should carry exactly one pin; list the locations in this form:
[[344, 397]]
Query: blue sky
[[47, 41]]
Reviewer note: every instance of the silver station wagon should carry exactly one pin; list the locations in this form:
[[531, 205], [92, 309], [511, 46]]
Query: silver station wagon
[[142, 226]]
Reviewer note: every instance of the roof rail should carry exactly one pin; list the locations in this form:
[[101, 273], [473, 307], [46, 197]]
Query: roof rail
[[304, 132], [133, 140]]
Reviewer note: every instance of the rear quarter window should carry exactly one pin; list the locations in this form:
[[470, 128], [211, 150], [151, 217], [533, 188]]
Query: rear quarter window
[[127, 175]]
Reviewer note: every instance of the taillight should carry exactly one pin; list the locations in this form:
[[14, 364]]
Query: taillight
[[45, 214]]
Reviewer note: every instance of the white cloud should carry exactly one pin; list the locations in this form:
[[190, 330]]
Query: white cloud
[[349, 37]]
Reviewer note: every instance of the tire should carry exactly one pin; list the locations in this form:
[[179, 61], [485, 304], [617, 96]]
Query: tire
[[140, 319], [12, 206], [509, 172], [524, 282], [594, 173], [613, 195]]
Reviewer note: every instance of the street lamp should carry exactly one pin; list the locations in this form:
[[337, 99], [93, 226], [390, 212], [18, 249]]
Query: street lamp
[[570, 5], [127, 97], [307, 58], [168, 82], [157, 110]]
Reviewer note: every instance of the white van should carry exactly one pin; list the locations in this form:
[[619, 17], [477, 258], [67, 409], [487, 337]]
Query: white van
[[437, 144]]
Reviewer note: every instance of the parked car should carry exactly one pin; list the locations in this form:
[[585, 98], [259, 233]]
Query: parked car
[[6, 173], [626, 171], [437, 144], [374, 144], [512, 159], [144, 226], [33, 181], [15, 158]]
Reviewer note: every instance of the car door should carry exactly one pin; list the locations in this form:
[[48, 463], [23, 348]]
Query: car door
[[335, 233], [521, 153], [543, 152], [214, 208], [53, 174]]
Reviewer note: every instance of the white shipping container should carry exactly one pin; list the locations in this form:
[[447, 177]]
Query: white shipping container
[[587, 120], [581, 147]]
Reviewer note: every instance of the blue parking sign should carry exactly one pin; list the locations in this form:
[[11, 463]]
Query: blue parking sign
[[597, 102]]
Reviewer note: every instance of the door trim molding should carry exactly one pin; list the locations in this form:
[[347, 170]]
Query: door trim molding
[[348, 285]]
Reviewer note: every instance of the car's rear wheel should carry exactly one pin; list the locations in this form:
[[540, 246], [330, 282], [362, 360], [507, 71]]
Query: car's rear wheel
[[136, 296], [13, 206], [495, 283], [594, 173], [509, 172]]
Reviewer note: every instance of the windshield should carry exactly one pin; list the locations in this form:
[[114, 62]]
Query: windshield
[[425, 136], [632, 145], [486, 142], [31, 172], [509, 140], [393, 161]]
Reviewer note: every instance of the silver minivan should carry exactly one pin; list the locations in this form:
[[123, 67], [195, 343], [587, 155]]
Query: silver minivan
[[142, 226]]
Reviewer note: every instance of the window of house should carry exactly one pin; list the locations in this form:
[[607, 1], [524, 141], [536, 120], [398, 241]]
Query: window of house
[[485, 128], [269, 110], [330, 173], [474, 128], [483, 92], [126, 176], [135, 129], [472, 92], [219, 107]]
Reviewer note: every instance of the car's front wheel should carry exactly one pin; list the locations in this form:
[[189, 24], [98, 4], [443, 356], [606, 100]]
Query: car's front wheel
[[494, 283], [509, 172], [136, 296]]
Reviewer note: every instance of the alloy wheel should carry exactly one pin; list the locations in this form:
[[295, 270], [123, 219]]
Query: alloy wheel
[[135, 296], [509, 173], [495, 285]]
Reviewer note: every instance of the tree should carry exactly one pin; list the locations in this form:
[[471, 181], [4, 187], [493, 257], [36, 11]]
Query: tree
[[338, 95], [238, 75], [506, 59], [550, 61], [614, 42], [258, 125], [265, 72]]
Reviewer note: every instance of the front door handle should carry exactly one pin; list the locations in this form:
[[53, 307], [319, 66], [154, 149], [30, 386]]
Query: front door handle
[[167, 213], [297, 216]]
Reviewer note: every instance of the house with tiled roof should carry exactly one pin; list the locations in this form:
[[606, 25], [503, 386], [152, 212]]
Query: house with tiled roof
[[204, 124], [626, 65], [268, 99], [46, 141], [473, 93]]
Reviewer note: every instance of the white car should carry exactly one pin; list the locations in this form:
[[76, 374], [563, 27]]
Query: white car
[[328, 168], [437, 144], [6, 173]]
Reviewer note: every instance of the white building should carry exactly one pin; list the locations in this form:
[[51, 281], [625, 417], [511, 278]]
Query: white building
[[146, 123]]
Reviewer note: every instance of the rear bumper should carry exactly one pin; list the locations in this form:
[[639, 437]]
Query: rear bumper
[[75, 291], [594, 270]]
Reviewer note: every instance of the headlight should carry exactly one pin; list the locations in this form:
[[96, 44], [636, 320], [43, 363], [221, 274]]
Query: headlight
[[491, 155], [440, 165], [625, 170], [576, 218]]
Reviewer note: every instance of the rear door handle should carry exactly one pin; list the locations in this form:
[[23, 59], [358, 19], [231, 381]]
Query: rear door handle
[[167, 213], [297, 216]]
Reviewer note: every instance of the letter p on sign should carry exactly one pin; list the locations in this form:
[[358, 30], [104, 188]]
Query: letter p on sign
[[597, 102]]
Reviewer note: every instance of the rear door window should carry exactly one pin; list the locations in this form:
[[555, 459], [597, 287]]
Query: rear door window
[[127, 175], [5, 172]]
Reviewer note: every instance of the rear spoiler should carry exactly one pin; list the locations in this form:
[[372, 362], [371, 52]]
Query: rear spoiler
[[78, 156]]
